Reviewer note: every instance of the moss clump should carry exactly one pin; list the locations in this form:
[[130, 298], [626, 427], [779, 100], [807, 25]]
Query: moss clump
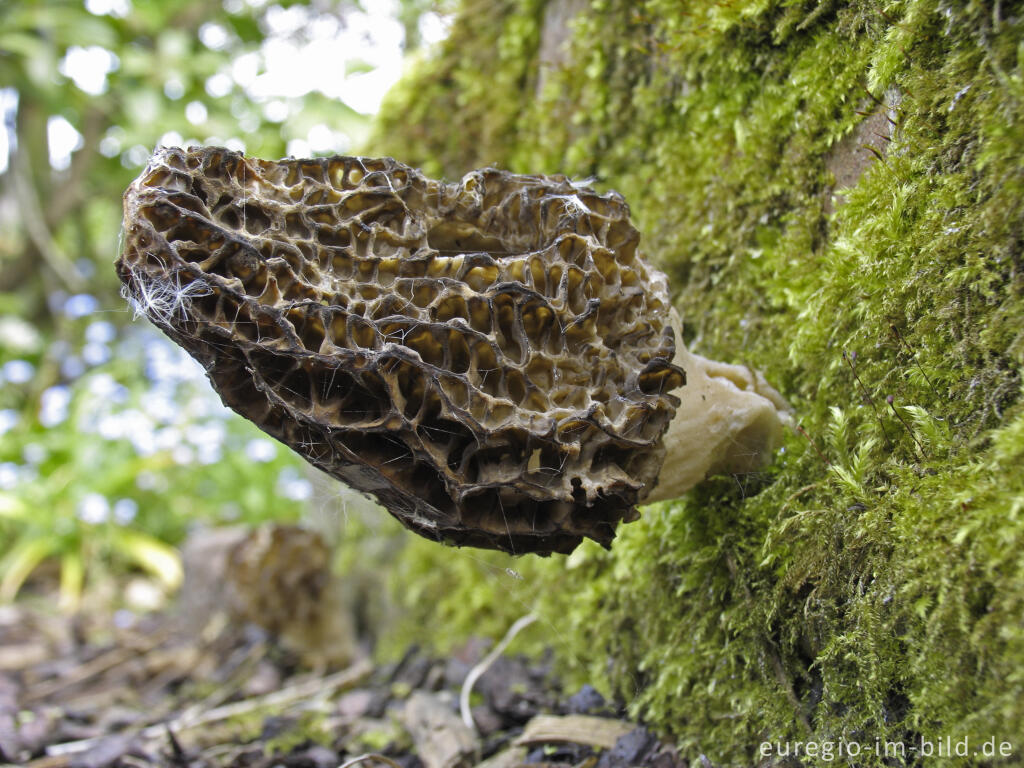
[[871, 584]]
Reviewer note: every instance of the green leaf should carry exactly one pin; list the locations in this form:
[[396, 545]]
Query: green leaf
[[72, 578], [152, 555], [21, 561], [12, 507]]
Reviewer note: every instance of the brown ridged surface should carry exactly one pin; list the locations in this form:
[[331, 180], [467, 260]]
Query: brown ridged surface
[[490, 359]]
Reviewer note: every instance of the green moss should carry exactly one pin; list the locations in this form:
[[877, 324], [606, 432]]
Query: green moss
[[868, 585], [308, 728]]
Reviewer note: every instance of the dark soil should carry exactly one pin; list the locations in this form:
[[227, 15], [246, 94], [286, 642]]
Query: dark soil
[[137, 691]]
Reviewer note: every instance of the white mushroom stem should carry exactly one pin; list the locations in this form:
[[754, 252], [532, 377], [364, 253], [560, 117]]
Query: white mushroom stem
[[730, 421]]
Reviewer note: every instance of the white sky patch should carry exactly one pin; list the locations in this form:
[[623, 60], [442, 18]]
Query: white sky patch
[[322, 139], [196, 113], [89, 67], [174, 89], [298, 148], [112, 141], [304, 51], [214, 36], [116, 8], [136, 156], [287, 21], [245, 69], [319, 62], [434, 28], [171, 139], [276, 111], [249, 122], [260, 450], [218, 85], [62, 139], [8, 113]]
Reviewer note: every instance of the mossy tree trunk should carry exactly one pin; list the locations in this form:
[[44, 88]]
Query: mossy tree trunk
[[836, 190]]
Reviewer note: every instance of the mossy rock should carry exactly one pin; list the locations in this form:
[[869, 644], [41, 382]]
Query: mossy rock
[[870, 584]]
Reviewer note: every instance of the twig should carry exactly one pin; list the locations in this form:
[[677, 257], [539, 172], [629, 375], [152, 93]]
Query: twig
[[35, 225], [292, 693], [97, 666], [177, 753], [484, 665], [600, 732], [369, 756], [814, 445], [890, 399], [62, 761], [297, 692], [253, 656], [849, 358], [913, 354], [792, 497]]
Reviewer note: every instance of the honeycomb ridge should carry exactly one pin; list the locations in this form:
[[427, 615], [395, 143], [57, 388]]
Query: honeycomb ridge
[[490, 359]]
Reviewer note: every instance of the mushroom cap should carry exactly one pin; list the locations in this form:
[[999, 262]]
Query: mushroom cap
[[490, 359]]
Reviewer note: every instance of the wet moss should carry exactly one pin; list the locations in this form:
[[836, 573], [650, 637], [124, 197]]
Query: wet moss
[[871, 583]]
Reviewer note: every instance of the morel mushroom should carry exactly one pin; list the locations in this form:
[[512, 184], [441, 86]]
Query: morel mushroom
[[491, 359]]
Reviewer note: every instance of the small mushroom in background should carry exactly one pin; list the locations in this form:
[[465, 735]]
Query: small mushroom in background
[[276, 577], [491, 359]]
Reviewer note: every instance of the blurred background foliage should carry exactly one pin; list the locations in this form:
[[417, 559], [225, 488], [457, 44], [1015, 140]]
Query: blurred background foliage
[[111, 442]]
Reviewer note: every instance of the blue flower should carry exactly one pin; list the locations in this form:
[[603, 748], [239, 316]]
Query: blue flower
[[94, 509], [80, 305], [125, 511], [18, 371], [53, 405], [8, 420]]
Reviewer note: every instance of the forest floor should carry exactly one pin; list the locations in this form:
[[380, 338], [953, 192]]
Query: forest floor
[[121, 689]]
